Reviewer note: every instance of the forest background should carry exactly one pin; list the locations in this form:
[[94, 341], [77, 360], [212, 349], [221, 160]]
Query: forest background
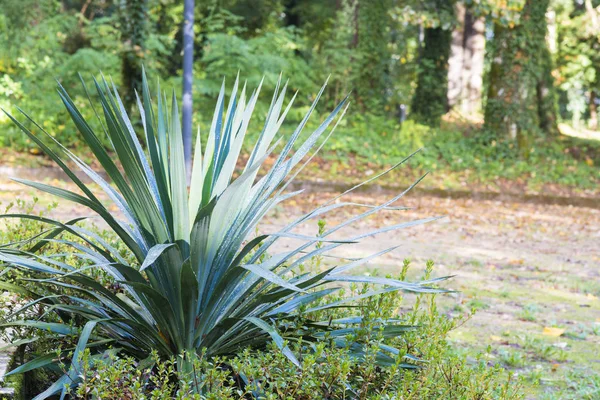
[[503, 94]]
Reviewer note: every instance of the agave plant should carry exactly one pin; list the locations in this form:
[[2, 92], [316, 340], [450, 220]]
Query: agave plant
[[202, 281]]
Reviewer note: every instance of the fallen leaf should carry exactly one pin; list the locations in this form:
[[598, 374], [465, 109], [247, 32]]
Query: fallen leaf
[[495, 338], [589, 161], [591, 296], [556, 332]]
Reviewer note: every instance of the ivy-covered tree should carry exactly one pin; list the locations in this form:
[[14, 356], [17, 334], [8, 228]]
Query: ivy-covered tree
[[521, 95], [133, 18], [371, 63], [329, 46], [430, 100]]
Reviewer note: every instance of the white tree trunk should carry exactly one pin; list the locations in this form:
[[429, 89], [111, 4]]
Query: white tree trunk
[[465, 72], [456, 60], [474, 54]]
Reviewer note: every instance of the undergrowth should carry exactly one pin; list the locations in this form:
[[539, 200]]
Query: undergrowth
[[468, 153], [456, 153], [327, 373]]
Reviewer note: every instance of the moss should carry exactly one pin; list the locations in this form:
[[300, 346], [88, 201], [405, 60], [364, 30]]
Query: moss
[[16, 382], [29, 384]]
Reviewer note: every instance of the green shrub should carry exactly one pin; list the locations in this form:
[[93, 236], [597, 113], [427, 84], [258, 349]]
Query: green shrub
[[327, 373]]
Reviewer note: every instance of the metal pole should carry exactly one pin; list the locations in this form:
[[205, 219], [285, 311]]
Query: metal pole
[[188, 66]]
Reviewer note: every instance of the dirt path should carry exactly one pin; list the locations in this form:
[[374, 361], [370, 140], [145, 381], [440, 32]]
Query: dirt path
[[526, 267]]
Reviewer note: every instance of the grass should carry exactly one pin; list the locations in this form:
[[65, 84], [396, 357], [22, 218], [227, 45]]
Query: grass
[[564, 367], [529, 312]]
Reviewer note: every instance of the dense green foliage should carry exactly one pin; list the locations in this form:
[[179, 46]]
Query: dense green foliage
[[577, 60], [133, 23], [458, 158], [371, 57]]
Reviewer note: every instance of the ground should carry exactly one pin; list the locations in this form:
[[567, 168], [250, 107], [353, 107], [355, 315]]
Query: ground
[[531, 270]]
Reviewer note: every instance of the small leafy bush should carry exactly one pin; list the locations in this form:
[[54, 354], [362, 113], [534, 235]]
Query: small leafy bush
[[194, 280], [327, 373]]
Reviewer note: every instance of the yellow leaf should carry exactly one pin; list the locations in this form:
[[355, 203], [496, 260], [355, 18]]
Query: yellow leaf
[[495, 338], [556, 332], [591, 296]]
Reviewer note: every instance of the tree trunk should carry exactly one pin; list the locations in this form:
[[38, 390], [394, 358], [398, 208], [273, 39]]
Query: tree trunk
[[465, 67], [521, 95], [474, 59], [292, 18], [546, 94], [456, 62], [496, 116], [133, 15], [355, 22], [430, 100], [373, 56], [593, 122]]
